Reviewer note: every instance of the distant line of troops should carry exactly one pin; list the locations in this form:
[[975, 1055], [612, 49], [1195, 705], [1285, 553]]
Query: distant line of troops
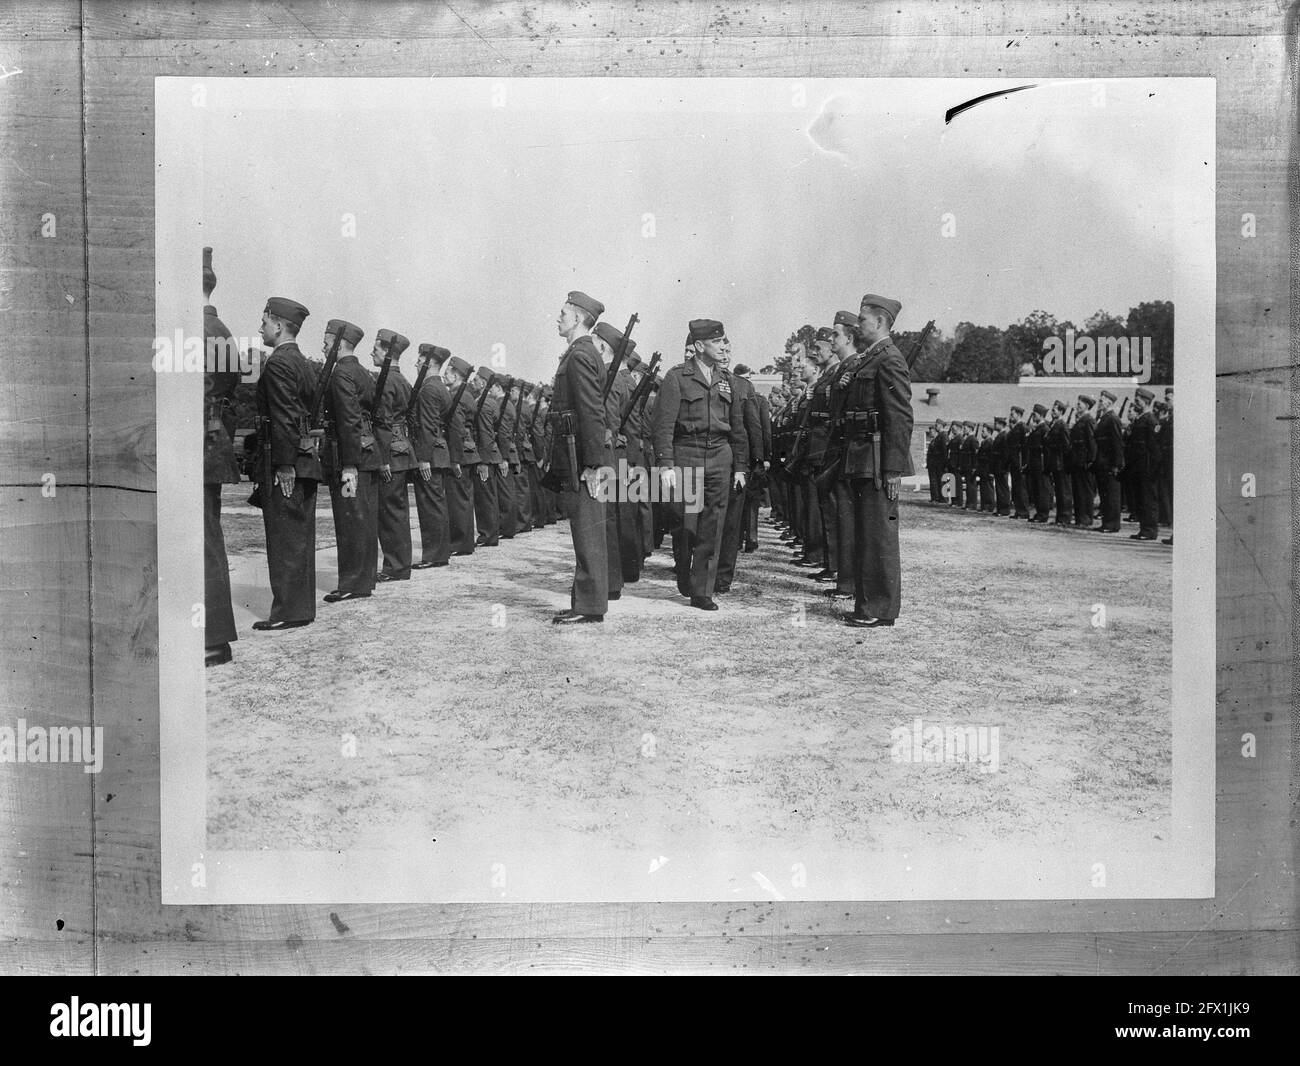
[[1064, 462]]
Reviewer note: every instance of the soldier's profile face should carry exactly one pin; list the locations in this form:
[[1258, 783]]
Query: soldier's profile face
[[267, 329], [327, 342], [567, 319]]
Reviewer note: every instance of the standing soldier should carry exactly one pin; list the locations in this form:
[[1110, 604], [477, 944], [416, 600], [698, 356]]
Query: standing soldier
[[525, 476], [389, 419], [1039, 481], [487, 496], [638, 465], [220, 379], [623, 557], [436, 453], [1164, 411], [579, 449], [812, 535], [819, 433], [1083, 457], [1144, 467], [290, 469], [1058, 463], [984, 462], [503, 429], [878, 434], [759, 463], [936, 454], [1017, 435], [970, 445], [699, 426], [952, 463], [541, 450], [842, 572], [1109, 463], [1001, 467], [351, 466], [733, 523], [464, 470]]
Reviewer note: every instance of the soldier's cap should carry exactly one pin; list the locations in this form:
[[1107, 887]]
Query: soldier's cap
[[741, 369], [1017, 409], [394, 343], [290, 310], [632, 361], [1058, 405], [611, 335], [999, 421], [940, 421], [485, 374], [1106, 394], [1160, 405], [547, 392], [1145, 394], [460, 366], [970, 425], [345, 331], [1040, 410], [825, 333], [704, 329], [884, 303], [1169, 389], [846, 318], [1087, 401], [433, 352], [581, 300], [985, 425]]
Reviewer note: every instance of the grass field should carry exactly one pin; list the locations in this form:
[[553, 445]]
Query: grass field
[[768, 720]]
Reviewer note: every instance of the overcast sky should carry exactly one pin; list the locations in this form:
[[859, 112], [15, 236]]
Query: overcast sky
[[774, 203]]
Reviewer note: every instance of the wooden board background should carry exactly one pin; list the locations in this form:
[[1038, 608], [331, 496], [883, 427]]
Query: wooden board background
[[79, 854]]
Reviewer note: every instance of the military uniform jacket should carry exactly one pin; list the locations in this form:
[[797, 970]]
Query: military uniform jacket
[[432, 416], [710, 412], [881, 383], [284, 394], [1144, 445], [985, 457], [619, 394], [765, 426], [347, 401], [579, 382], [1058, 446], [1035, 449], [1083, 442], [1001, 453], [936, 454], [969, 452], [389, 421], [505, 433], [819, 416], [1164, 437], [1110, 443], [800, 416], [954, 452], [220, 466], [540, 450], [1017, 436], [462, 426], [749, 410], [489, 451], [524, 435]]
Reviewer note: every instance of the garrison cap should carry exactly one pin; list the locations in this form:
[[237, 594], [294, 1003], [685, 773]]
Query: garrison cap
[[460, 366], [632, 361], [344, 330], [611, 335], [485, 374], [432, 351], [580, 299], [1017, 409], [741, 369], [505, 381], [846, 318], [1145, 394], [1161, 405], [825, 333], [394, 343], [1169, 389], [1040, 410], [1058, 405], [999, 421], [971, 426], [1087, 401], [892, 307], [1108, 395], [704, 329], [289, 310]]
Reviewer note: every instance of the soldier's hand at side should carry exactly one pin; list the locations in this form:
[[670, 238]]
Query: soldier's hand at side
[[892, 484], [503, 467], [482, 471], [426, 471], [284, 477], [591, 478], [738, 481], [766, 466], [667, 479], [455, 469], [349, 480], [386, 472]]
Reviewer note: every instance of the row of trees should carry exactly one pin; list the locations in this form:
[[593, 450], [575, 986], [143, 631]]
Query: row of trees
[[998, 354]]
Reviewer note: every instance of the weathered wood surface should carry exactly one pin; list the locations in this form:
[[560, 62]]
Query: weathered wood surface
[[80, 595]]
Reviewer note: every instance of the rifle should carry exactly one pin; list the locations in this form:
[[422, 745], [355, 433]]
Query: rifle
[[800, 430], [482, 396], [455, 403], [537, 406], [641, 391], [501, 411], [1123, 404], [618, 357], [519, 403], [380, 382], [915, 353], [411, 421]]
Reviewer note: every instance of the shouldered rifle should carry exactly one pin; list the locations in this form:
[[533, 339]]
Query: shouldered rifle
[[380, 382], [537, 406], [412, 423], [1123, 404], [482, 396], [619, 352], [519, 405], [919, 346], [800, 432], [641, 391], [501, 412]]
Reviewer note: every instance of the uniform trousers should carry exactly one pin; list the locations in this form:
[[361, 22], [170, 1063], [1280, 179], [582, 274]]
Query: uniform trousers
[[589, 593], [356, 531], [487, 513], [459, 492], [431, 506], [395, 526], [290, 525], [699, 536], [878, 581], [218, 614]]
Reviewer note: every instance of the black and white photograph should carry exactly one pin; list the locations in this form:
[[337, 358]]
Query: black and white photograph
[[688, 489]]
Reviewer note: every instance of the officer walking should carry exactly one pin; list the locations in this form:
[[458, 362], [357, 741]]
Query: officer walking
[[878, 434], [699, 429], [290, 470], [351, 466]]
